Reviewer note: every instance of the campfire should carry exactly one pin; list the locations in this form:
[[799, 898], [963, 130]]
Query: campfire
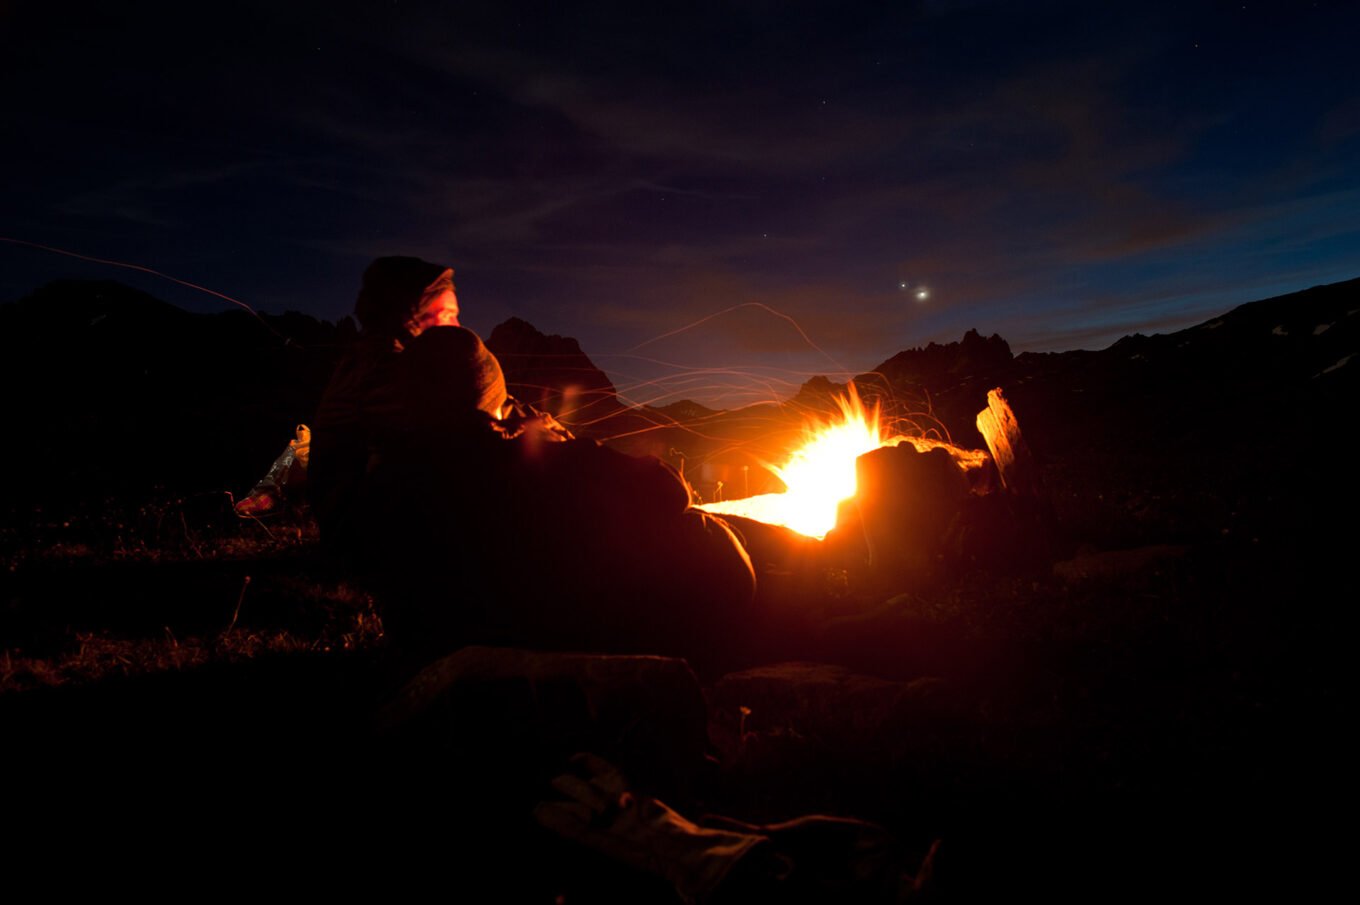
[[820, 473]]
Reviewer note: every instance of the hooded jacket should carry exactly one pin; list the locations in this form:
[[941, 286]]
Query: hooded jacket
[[380, 394]]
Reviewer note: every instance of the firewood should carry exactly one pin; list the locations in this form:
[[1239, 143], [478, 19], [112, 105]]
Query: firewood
[[1001, 429]]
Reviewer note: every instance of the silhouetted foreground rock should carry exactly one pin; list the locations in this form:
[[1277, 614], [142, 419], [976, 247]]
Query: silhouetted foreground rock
[[898, 522], [1115, 565], [512, 718], [838, 708], [534, 710]]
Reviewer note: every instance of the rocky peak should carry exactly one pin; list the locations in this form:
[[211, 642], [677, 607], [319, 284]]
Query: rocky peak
[[929, 363], [551, 372], [818, 394]]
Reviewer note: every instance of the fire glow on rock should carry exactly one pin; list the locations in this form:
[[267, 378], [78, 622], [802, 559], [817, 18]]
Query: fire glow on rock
[[821, 473]]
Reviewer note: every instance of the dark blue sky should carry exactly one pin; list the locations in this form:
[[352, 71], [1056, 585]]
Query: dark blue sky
[[1060, 173]]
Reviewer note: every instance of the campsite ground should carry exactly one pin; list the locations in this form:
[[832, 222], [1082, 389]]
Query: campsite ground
[[1103, 722], [1154, 704]]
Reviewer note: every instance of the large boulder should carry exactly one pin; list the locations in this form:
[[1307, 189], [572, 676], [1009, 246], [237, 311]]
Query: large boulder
[[830, 703], [896, 527], [522, 714], [813, 736]]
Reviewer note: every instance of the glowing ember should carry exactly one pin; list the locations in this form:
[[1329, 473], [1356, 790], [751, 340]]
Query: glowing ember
[[821, 473]]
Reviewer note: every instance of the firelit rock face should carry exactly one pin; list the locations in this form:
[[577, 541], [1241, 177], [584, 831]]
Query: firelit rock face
[[551, 373], [819, 393]]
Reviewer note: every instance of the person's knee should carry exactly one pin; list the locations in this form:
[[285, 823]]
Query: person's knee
[[718, 558]]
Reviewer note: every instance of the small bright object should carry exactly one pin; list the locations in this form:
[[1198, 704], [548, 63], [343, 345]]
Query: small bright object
[[922, 295]]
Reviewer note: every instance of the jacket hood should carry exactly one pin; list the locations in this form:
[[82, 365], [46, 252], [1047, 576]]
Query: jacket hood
[[391, 292]]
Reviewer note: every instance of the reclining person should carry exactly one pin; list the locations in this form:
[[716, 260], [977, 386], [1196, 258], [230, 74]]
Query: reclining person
[[400, 298], [477, 519]]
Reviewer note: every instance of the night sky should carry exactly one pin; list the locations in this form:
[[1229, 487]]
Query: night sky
[[882, 175]]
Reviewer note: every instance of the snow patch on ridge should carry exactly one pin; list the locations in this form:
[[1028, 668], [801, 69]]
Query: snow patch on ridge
[[1336, 367]]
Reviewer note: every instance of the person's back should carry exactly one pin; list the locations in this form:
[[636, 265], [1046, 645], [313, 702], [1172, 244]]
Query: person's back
[[558, 545], [476, 529], [369, 404]]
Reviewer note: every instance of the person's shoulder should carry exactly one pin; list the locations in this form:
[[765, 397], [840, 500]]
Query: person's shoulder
[[444, 345], [447, 338]]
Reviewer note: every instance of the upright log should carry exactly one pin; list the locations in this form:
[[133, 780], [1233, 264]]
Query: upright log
[[1000, 428]]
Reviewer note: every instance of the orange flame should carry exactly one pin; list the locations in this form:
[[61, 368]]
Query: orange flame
[[820, 473]]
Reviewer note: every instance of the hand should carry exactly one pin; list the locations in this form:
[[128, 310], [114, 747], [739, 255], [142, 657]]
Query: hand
[[537, 425]]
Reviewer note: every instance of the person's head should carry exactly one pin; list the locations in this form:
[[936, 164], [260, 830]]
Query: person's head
[[403, 297]]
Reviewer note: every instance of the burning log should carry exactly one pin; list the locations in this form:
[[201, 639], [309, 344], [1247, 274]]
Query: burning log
[[1014, 528], [1000, 428]]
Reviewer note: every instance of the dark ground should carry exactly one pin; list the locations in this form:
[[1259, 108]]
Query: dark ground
[[1154, 706]]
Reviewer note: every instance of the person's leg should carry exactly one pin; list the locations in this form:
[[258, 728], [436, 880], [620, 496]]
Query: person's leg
[[287, 473]]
